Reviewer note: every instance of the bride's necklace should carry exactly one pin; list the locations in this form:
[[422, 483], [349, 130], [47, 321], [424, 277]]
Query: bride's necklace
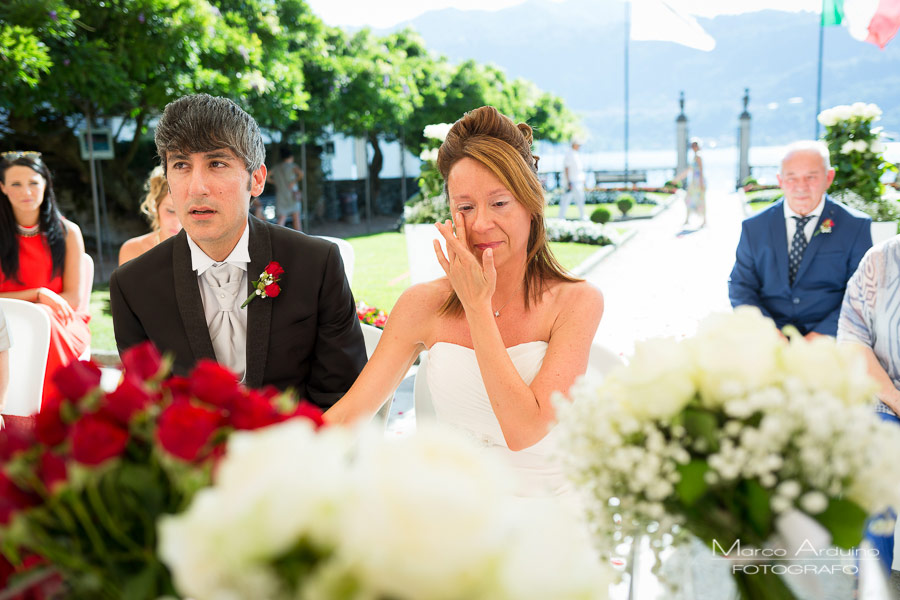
[[29, 231], [497, 312]]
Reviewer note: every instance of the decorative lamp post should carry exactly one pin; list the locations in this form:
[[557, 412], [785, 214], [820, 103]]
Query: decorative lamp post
[[681, 137], [744, 142]]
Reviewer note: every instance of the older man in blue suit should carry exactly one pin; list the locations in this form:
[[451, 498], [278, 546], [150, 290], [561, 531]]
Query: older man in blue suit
[[794, 258]]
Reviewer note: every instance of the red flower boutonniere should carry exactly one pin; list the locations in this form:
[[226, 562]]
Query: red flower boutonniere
[[825, 227], [267, 284]]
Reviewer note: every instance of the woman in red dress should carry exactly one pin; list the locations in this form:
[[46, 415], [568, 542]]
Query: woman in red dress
[[40, 256]]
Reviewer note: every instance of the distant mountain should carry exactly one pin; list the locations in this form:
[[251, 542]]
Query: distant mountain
[[575, 49]]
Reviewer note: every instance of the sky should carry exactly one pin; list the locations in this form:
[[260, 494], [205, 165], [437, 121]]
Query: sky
[[385, 13]]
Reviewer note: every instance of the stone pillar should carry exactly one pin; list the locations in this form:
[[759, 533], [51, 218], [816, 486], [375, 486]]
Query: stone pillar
[[744, 142], [681, 137]]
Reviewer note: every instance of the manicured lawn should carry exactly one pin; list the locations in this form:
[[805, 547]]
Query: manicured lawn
[[758, 206], [380, 275], [637, 210]]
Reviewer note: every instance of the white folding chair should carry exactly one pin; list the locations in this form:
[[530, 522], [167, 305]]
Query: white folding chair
[[29, 329], [372, 335], [600, 362], [84, 294], [347, 255]]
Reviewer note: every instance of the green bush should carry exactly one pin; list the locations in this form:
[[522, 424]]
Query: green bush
[[601, 215], [750, 181], [624, 203]]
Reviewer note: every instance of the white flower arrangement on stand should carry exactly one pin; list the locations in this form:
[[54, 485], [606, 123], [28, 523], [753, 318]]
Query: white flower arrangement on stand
[[720, 434], [296, 514]]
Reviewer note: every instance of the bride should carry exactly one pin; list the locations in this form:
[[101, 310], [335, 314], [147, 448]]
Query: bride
[[507, 326]]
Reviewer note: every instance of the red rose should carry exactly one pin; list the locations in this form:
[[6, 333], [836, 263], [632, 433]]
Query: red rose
[[52, 471], [184, 429], [49, 427], [77, 378], [142, 361], [214, 384], [14, 440], [12, 499], [96, 439], [381, 321], [179, 387], [306, 410], [129, 398], [274, 269], [272, 290], [253, 412]]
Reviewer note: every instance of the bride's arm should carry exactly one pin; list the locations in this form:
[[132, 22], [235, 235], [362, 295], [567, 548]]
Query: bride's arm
[[400, 344], [524, 412]]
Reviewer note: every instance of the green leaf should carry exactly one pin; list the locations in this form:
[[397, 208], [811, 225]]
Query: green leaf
[[692, 485], [701, 424], [845, 521], [754, 499]]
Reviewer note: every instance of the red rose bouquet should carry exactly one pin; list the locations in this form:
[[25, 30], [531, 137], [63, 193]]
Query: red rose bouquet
[[81, 494]]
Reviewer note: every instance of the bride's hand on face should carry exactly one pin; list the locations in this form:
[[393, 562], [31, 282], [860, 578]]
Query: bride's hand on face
[[473, 281]]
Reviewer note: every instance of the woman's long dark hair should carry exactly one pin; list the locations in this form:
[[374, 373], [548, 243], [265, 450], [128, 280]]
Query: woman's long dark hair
[[49, 220]]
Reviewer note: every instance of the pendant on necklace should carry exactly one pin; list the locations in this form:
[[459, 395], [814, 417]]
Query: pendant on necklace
[[496, 313]]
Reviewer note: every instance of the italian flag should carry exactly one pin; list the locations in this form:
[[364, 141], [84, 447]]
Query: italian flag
[[875, 21]]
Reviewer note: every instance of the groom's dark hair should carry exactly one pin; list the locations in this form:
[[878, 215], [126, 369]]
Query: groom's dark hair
[[203, 123]]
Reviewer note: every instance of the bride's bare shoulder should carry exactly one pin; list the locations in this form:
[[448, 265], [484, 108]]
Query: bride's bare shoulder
[[425, 297]]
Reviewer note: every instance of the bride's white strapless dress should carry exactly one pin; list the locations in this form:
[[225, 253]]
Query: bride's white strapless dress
[[461, 401]]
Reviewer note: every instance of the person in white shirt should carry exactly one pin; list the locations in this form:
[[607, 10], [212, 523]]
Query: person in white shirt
[[573, 182]]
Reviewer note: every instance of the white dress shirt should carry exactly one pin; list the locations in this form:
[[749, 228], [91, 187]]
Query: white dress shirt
[[809, 229], [239, 257]]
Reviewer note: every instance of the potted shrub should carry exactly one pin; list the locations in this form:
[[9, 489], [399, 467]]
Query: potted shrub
[[601, 215], [856, 150]]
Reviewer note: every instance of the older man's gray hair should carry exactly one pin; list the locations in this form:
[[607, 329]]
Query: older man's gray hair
[[806, 146], [204, 123]]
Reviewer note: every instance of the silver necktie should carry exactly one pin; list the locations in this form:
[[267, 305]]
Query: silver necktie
[[229, 339]]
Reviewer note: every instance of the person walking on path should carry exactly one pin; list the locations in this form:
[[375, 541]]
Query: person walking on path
[[695, 200], [286, 175], [574, 182]]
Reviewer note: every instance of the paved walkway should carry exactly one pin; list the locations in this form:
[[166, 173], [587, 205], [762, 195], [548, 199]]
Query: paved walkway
[[668, 277]]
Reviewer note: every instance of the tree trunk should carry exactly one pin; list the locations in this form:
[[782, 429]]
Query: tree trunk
[[375, 170]]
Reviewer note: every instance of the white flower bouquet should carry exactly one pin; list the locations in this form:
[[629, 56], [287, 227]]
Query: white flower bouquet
[[721, 433], [296, 514]]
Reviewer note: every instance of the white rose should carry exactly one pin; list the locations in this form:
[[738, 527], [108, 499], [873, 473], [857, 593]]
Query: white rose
[[843, 113], [827, 117], [822, 365], [877, 146], [429, 155], [434, 496], [848, 147], [861, 146], [735, 352], [438, 131], [658, 381], [871, 111]]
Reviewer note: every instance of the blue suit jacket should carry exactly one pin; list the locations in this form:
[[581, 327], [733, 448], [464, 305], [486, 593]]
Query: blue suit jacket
[[813, 303]]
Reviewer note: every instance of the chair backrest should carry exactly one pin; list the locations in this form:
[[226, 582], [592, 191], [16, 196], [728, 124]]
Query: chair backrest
[[372, 335], [29, 329], [347, 255], [600, 362], [87, 283]]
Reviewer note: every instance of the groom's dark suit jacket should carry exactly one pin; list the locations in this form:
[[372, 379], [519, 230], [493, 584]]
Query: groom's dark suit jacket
[[307, 338], [813, 302]]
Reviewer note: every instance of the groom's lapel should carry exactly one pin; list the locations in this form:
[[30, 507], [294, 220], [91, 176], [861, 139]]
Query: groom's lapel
[[187, 295], [259, 311]]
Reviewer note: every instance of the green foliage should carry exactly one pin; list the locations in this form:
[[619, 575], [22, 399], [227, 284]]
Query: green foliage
[[427, 209], [856, 151], [601, 215], [624, 203]]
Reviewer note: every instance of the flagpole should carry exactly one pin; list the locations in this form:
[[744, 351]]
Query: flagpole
[[627, 36], [819, 81]]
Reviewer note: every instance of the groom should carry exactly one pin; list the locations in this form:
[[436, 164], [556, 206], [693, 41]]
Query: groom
[[186, 294]]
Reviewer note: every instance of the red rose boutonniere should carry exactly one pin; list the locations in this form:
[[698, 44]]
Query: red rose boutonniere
[[825, 227], [267, 284]]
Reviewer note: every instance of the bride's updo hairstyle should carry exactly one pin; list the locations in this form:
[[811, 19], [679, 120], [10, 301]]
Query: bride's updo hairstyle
[[498, 143]]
